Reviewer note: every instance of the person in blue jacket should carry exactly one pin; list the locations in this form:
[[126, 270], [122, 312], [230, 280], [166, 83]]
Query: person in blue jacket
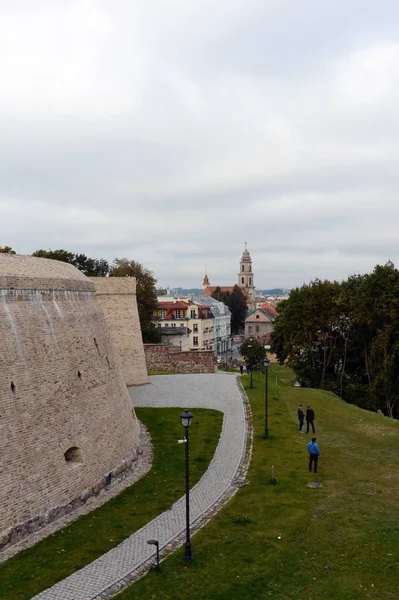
[[314, 454]]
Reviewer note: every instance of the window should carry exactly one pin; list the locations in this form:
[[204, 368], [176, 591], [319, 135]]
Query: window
[[257, 329], [250, 281], [166, 324], [193, 313], [242, 268], [178, 313], [242, 279], [195, 341], [249, 328], [195, 328], [173, 324], [257, 316], [249, 267], [162, 314]]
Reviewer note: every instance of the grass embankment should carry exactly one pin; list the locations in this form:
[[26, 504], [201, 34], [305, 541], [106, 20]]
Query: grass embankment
[[62, 553], [288, 541]]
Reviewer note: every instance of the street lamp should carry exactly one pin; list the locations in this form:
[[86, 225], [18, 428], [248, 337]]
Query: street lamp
[[251, 339], [156, 544], [266, 362], [185, 420]]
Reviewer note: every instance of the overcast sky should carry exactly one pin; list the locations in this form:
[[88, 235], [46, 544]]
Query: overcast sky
[[172, 131]]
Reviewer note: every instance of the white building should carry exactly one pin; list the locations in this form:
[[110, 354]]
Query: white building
[[222, 322], [185, 313]]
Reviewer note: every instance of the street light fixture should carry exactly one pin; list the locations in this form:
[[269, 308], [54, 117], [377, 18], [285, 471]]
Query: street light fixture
[[185, 420], [266, 362], [251, 339]]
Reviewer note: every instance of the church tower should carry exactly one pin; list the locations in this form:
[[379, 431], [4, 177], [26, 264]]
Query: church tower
[[246, 278], [205, 283]]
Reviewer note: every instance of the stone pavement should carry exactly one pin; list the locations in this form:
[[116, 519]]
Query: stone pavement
[[123, 564]]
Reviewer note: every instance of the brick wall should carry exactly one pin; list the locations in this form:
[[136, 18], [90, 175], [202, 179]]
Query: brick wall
[[117, 298], [60, 388], [166, 358]]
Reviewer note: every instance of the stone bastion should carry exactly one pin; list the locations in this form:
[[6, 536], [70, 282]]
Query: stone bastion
[[66, 421]]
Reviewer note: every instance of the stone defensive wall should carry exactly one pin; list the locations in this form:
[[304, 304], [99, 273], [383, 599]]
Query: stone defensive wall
[[117, 298], [166, 358], [66, 421]]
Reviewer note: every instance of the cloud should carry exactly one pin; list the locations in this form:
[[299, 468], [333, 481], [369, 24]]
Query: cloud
[[173, 132]]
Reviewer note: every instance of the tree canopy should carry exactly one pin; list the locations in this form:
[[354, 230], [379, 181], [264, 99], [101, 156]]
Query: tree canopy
[[237, 304], [345, 337], [91, 267], [146, 294], [252, 351], [7, 250]]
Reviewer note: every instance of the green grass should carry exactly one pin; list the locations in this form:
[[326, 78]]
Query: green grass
[[153, 372], [338, 542], [62, 553]]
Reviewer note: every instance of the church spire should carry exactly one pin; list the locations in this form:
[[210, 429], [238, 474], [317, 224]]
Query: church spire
[[205, 283]]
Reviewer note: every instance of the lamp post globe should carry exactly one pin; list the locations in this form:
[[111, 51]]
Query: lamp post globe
[[185, 419]]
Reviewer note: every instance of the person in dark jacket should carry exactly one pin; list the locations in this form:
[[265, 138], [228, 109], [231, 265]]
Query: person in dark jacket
[[301, 417], [310, 418], [314, 454]]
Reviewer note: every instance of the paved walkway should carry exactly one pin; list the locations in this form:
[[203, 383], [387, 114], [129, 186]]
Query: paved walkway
[[124, 563]]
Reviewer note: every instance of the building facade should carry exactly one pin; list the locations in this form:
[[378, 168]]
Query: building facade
[[260, 323], [222, 322], [196, 317]]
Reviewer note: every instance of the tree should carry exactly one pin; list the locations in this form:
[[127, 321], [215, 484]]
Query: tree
[[146, 294], [345, 337], [237, 304], [7, 250], [252, 351], [91, 267]]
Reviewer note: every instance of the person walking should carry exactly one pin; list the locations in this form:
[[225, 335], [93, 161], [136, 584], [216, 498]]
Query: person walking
[[314, 454], [301, 417], [241, 369], [310, 418]]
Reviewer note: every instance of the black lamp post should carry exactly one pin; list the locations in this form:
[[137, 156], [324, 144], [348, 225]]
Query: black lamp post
[[266, 362], [156, 544], [185, 420], [251, 339]]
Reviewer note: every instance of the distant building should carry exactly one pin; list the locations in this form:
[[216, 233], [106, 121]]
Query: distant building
[[222, 324], [245, 281], [197, 318], [260, 323]]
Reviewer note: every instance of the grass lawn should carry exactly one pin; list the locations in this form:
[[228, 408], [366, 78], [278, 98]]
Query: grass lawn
[[154, 372], [288, 541], [62, 553]]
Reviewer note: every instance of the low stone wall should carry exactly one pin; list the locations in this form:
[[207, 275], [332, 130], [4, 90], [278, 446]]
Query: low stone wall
[[167, 358]]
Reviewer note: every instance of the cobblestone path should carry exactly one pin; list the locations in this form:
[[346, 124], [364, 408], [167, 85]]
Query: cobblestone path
[[123, 564]]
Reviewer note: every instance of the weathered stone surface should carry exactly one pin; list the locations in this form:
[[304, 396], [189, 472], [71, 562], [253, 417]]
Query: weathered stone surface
[[117, 298], [66, 417], [167, 358]]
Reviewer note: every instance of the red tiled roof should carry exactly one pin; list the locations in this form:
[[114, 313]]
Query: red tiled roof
[[269, 309], [223, 288]]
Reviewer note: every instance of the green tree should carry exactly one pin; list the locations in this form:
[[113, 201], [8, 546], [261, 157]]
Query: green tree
[[236, 303], [252, 351], [345, 337], [7, 250], [146, 294], [91, 267]]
